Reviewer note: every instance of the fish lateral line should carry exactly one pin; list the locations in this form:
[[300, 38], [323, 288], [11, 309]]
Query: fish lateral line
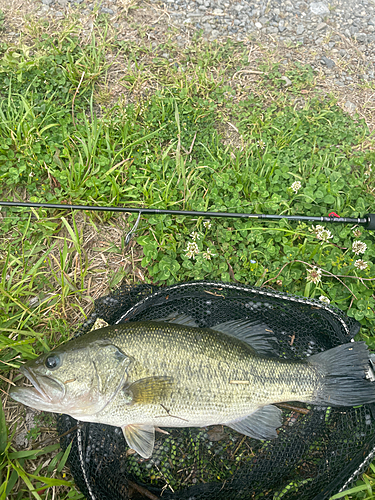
[[239, 382]]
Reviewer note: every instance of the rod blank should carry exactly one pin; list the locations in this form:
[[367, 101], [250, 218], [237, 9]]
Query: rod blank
[[368, 221]]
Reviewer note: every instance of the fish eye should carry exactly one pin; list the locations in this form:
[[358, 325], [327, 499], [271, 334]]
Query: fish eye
[[53, 362]]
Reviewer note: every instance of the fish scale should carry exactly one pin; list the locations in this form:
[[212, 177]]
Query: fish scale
[[203, 393], [146, 375]]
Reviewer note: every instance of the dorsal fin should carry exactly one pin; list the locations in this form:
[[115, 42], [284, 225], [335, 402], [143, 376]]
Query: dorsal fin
[[178, 319], [256, 333]]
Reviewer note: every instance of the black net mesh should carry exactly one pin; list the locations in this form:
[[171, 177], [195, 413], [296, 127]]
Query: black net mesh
[[318, 450]]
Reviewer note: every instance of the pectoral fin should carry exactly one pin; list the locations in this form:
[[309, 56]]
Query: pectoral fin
[[261, 424], [140, 438], [149, 390]]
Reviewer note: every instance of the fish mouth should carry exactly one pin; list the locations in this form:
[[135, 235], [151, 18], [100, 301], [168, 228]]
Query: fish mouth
[[27, 372], [37, 396]]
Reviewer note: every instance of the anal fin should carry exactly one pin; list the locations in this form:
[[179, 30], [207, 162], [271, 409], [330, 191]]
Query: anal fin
[[140, 438], [261, 424]]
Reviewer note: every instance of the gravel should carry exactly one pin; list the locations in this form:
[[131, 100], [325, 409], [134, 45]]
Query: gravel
[[298, 21], [337, 38]]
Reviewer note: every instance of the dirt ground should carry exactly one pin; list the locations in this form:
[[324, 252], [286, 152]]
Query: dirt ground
[[21, 22]]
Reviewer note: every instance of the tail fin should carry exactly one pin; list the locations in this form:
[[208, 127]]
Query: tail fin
[[344, 369]]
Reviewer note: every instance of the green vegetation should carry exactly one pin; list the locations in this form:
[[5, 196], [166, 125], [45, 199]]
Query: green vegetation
[[188, 456], [183, 133], [13, 465]]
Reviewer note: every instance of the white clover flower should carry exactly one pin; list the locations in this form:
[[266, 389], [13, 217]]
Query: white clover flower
[[296, 186], [314, 275], [31, 174], [208, 254], [361, 264], [261, 144], [324, 235], [192, 250], [357, 233], [207, 224], [321, 233], [317, 229], [324, 299], [359, 247], [368, 171], [195, 235]]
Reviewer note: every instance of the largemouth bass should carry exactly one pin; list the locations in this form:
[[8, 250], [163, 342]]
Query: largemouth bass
[[150, 374]]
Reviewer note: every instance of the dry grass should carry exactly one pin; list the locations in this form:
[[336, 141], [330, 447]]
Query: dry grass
[[106, 259], [149, 25]]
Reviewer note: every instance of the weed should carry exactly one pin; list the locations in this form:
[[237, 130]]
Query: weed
[[163, 143], [13, 464]]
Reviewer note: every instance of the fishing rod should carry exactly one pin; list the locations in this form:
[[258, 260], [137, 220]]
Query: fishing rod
[[368, 221]]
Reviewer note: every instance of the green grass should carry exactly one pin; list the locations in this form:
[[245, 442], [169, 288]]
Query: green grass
[[182, 135]]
